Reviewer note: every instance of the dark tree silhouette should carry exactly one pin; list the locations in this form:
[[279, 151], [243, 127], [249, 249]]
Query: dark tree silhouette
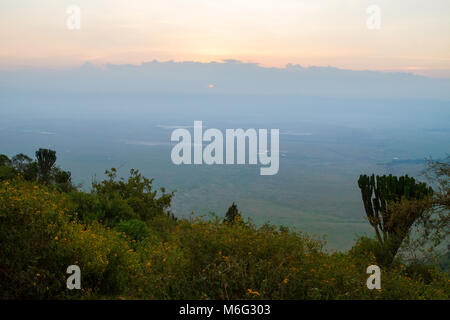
[[4, 160], [21, 162], [45, 160], [233, 215], [392, 206]]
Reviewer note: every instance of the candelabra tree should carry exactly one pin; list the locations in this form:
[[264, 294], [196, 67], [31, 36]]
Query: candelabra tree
[[393, 204]]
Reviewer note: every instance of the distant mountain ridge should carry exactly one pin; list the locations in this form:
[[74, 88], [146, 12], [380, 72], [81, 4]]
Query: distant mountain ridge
[[227, 77]]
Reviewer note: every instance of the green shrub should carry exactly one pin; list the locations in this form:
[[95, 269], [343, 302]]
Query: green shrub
[[420, 271], [130, 199], [134, 228], [7, 173], [368, 249]]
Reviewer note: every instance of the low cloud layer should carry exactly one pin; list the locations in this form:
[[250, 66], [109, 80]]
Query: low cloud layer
[[228, 77]]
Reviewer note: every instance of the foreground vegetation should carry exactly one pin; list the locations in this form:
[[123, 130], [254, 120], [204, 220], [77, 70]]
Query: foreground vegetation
[[128, 245]]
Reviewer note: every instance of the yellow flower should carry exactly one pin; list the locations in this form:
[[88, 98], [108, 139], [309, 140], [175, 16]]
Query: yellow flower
[[56, 238], [256, 293], [285, 280]]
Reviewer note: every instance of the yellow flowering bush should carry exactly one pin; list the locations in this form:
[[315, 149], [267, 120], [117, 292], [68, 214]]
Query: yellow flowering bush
[[41, 234], [40, 237]]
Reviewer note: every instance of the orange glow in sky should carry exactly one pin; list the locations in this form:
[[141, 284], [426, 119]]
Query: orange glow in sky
[[413, 36]]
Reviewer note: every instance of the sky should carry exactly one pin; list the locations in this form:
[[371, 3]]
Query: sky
[[413, 35]]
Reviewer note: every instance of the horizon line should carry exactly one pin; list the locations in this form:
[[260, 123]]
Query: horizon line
[[103, 65]]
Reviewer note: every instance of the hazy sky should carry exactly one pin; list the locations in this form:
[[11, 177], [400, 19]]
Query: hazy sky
[[414, 35]]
